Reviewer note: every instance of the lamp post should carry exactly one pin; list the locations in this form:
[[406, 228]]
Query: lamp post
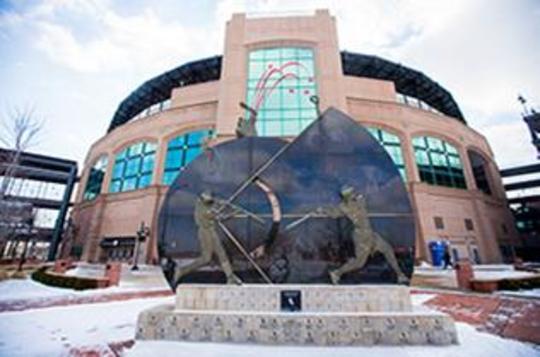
[[532, 119], [142, 233]]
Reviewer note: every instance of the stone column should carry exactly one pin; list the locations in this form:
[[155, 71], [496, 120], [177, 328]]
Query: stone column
[[113, 272], [464, 274]]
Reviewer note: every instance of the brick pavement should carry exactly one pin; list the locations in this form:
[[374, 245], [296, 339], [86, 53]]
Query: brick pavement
[[511, 317]]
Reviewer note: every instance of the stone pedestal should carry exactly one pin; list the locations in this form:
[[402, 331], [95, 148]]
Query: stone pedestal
[[296, 315]]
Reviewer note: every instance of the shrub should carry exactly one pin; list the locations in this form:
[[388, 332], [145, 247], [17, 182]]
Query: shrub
[[43, 276], [517, 284]]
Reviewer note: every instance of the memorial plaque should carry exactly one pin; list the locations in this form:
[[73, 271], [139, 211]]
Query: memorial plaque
[[291, 300]]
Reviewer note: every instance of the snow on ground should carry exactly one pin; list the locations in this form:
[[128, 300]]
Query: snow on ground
[[487, 271], [504, 274], [419, 299], [148, 278], [54, 331], [27, 289], [13, 289], [472, 343], [532, 293]]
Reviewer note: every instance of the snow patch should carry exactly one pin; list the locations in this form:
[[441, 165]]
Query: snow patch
[[54, 331]]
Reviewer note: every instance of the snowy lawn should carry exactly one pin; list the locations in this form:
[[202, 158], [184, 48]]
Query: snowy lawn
[[54, 331], [27, 289], [58, 330], [480, 272], [15, 289], [532, 293], [148, 276]]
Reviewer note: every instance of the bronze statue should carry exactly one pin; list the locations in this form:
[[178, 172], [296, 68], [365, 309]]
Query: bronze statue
[[245, 127], [207, 218], [366, 241]]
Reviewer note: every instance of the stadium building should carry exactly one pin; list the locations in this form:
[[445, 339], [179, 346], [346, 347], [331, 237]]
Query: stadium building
[[276, 65]]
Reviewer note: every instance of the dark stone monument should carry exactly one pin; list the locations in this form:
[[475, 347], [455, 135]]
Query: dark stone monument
[[269, 223], [260, 228]]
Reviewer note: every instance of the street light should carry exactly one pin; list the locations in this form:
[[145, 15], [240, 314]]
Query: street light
[[142, 233]]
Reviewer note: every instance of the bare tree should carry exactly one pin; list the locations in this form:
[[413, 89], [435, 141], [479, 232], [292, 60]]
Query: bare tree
[[19, 131]]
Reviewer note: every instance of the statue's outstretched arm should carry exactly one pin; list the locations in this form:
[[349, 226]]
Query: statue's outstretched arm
[[333, 212], [234, 211]]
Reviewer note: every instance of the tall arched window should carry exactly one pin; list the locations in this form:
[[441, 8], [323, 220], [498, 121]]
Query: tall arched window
[[133, 167], [280, 84], [95, 179], [392, 144], [438, 162], [479, 167], [181, 150]]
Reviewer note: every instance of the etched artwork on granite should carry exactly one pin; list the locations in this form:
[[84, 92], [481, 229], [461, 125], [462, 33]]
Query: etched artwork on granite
[[277, 215]]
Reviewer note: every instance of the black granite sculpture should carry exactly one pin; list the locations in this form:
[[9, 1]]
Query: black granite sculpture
[[268, 222]]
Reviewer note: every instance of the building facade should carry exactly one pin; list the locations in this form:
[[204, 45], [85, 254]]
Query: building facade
[[37, 193], [522, 184], [277, 65]]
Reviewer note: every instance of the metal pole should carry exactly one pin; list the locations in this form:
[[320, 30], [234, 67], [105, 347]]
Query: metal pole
[[241, 209], [59, 225], [140, 234], [244, 252], [255, 174]]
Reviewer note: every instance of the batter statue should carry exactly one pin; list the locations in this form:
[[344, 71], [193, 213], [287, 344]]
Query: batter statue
[[206, 219], [366, 241]]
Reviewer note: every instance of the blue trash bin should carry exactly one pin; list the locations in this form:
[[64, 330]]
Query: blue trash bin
[[436, 249]]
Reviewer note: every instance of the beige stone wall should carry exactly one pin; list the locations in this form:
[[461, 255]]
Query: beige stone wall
[[369, 101], [452, 205], [120, 214], [245, 34]]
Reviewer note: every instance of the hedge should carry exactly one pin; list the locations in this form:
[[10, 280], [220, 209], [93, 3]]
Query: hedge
[[70, 282], [518, 284]]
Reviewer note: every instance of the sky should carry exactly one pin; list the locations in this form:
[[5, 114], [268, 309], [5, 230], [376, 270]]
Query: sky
[[74, 61]]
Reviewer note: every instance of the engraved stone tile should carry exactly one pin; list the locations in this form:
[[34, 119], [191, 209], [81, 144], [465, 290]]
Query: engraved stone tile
[[331, 316]]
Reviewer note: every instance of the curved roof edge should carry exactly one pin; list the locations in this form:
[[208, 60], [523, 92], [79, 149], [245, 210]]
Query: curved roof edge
[[160, 87], [407, 81]]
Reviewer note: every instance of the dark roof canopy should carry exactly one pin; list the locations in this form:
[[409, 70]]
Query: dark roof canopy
[[159, 88], [407, 81]]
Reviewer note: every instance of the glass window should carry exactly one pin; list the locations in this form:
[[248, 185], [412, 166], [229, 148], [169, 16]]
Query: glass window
[[118, 170], [133, 167], [280, 83], [480, 171], [145, 180], [438, 162], [135, 149], [95, 179], [115, 186], [173, 158], [181, 150], [392, 145], [176, 142], [147, 164]]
